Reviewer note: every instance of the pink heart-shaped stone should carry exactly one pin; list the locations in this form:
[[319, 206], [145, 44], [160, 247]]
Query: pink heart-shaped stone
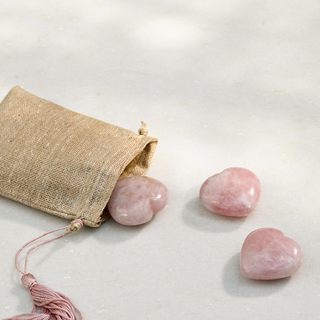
[[233, 192], [267, 254]]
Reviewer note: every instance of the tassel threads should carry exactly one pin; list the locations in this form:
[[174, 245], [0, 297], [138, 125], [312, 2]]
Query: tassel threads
[[54, 305]]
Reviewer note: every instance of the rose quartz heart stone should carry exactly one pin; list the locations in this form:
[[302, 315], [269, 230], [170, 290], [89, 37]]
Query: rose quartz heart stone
[[232, 192], [136, 200], [267, 254]]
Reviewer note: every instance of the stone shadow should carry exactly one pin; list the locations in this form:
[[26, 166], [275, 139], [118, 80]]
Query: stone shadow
[[195, 215], [235, 284]]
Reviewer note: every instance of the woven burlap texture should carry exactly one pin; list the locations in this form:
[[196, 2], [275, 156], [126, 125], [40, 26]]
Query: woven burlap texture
[[63, 162]]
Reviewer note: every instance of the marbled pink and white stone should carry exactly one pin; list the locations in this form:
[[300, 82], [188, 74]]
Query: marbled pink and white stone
[[232, 192], [136, 200], [267, 254]]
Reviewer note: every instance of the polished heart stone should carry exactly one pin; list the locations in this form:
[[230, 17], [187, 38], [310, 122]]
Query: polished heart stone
[[267, 254], [136, 200], [232, 192]]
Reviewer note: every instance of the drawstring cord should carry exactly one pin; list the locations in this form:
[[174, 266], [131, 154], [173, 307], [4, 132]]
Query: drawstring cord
[[54, 305]]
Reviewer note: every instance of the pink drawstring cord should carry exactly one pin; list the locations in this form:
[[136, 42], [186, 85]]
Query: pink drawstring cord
[[54, 305]]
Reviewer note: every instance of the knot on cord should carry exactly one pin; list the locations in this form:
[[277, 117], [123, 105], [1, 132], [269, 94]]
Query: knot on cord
[[28, 280], [143, 130], [75, 225]]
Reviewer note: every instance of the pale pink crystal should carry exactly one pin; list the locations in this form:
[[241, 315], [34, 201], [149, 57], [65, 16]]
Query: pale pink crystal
[[267, 254], [232, 192], [136, 200]]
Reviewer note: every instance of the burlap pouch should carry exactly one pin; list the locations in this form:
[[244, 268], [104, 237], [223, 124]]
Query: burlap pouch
[[63, 162]]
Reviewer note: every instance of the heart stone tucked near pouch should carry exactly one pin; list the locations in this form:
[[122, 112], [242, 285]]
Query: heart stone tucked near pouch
[[267, 254], [135, 200]]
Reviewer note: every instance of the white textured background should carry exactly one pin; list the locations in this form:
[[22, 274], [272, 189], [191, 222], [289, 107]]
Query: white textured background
[[220, 83]]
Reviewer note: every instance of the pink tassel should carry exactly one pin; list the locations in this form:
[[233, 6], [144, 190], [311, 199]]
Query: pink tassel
[[54, 305]]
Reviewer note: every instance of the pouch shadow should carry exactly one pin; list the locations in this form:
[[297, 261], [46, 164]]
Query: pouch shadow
[[112, 232]]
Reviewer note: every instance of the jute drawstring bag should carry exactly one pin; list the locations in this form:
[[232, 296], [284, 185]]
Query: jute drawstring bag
[[63, 162], [66, 164]]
